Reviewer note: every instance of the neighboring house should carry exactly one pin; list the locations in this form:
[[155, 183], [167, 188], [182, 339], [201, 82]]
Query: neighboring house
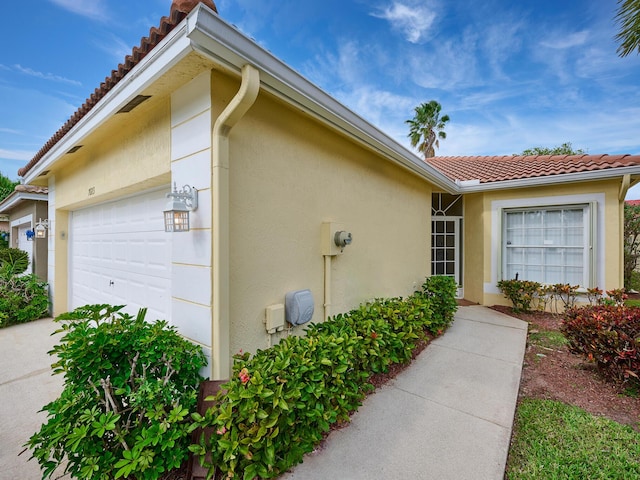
[[24, 208], [551, 219], [274, 160]]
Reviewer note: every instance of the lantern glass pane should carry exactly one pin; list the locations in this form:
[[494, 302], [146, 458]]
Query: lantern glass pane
[[176, 221]]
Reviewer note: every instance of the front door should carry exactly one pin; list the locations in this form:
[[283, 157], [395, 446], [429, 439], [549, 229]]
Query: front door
[[446, 237]]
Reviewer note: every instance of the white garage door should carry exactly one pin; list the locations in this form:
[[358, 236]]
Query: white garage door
[[120, 254]]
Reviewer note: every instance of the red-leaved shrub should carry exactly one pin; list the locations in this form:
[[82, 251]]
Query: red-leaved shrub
[[608, 335]]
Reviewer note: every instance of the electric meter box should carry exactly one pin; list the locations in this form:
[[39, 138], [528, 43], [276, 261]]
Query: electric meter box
[[298, 307]]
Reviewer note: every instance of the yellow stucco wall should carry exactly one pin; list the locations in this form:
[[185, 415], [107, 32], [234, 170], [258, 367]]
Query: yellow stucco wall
[[288, 174], [474, 238], [478, 224], [128, 154]]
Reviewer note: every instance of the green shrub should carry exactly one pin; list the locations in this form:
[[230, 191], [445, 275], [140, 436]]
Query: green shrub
[[608, 335], [129, 388], [442, 291], [521, 293], [280, 402], [13, 261], [22, 299]]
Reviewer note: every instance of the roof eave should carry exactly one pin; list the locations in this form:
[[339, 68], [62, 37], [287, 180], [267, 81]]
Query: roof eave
[[16, 198], [173, 48], [591, 175]]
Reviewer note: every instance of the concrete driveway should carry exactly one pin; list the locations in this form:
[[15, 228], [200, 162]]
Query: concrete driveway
[[26, 385]]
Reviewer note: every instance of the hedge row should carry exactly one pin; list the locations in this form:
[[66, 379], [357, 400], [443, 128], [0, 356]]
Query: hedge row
[[281, 401], [608, 335], [22, 298]]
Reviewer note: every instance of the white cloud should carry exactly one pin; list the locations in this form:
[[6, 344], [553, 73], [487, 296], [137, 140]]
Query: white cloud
[[564, 41], [114, 46], [446, 65], [45, 76], [501, 41], [518, 129], [414, 21], [93, 9], [15, 154], [377, 106], [11, 131]]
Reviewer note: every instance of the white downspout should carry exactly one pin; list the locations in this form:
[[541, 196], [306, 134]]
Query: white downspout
[[327, 287], [220, 331], [624, 187]]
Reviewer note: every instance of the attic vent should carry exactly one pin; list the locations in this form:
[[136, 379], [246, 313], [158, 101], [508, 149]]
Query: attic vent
[[75, 149], [137, 100]]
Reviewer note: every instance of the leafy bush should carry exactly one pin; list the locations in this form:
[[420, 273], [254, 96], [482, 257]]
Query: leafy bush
[[521, 293], [280, 402], [442, 292], [129, 388], [566, 293], [22, 299], [608, 335], [13, 261]]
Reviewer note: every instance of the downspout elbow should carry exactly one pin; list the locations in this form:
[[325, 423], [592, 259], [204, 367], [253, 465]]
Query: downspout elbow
[[240, 104]]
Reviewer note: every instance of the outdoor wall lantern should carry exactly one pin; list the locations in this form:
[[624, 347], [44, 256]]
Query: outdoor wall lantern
[[176, 213], [41, 228]]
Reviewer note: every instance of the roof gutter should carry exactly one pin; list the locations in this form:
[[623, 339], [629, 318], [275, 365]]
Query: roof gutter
[[610, 173]]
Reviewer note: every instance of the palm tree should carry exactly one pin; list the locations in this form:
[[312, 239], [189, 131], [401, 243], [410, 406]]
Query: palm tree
[[427, 127], [628, 16]]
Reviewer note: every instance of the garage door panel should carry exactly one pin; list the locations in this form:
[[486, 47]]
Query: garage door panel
[[120, 254]]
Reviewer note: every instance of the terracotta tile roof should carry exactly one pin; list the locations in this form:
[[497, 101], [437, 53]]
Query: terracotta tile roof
[[31, 189], [508, 167], [633, 203], [179, 10]]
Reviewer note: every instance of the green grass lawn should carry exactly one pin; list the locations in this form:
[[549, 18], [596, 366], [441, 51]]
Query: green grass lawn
[[553, 440], [547, 338]]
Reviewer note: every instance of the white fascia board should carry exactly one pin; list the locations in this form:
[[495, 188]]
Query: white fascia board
[[18, 197], [227, 46], [173, 48], [590, 176]]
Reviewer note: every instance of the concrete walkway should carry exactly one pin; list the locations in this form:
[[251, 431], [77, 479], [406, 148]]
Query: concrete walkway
[[448, 416], [26, 385]]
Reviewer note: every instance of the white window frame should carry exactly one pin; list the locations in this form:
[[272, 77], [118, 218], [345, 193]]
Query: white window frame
[[545, 244], [596, 201]]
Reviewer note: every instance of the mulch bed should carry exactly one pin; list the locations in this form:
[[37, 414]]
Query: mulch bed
[[557, 374]]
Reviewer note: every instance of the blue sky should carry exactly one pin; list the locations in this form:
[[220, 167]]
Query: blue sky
[[511, 75]]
